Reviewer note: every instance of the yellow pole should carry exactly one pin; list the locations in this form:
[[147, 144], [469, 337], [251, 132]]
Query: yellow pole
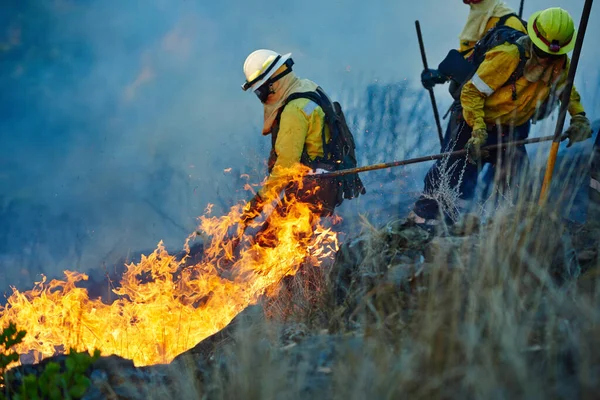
[[549, 171], [564, 102]]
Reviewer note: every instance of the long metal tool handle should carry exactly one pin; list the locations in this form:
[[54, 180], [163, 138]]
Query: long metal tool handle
[[409, 161], [521, 8], [564, 102], [431, 95]]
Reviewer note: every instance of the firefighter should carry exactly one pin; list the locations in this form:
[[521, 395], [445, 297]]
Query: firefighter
[[499, 100], [298, 116], [484, 15]]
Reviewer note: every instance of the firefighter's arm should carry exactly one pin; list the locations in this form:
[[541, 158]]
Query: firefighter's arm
[[575, 106], [289, 145], [492, 74], [579, 128]]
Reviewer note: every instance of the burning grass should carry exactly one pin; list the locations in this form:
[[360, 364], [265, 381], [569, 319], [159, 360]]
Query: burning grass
[[501, 309], [165, 306], [493, 310]]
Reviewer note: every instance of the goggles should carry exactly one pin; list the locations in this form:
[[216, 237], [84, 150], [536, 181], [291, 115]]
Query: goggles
[[264, 90], [472, 1]]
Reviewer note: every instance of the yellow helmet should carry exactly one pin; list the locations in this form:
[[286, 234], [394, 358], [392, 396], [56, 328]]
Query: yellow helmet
[[552, 31]]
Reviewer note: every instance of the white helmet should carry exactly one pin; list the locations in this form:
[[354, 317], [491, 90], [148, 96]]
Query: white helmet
[[261, 64]]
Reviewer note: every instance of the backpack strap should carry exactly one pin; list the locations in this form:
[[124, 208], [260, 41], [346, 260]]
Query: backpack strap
[[518, 73], [320, 98], [495, 37], [502, 20], [330, 120]]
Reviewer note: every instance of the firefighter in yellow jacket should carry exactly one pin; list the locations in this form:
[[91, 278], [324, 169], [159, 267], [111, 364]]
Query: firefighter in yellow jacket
[[488, 102], [483, 16], [297, 128], [500, 99]]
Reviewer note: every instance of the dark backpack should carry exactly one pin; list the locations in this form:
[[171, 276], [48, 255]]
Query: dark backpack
[[340, 152], [461, 70], [501, 22]]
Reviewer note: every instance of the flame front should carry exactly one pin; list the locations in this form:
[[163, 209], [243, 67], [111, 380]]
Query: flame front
[[165, 307]]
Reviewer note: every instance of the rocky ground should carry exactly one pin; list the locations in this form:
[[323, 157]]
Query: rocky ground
[[495, 310]]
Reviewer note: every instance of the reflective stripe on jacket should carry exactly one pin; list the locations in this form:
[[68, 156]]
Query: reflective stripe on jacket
[[486, 100]]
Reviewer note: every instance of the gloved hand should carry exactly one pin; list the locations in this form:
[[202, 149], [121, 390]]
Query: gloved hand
[[478, 139], [252, 209], [579, 130], [430, 77]]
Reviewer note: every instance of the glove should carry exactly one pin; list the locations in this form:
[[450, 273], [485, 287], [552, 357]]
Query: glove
[[252, 209], [478, 139], [579, 130], [430, 77]]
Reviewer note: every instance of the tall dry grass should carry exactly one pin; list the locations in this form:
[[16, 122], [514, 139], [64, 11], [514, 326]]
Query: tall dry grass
[[503, 311]]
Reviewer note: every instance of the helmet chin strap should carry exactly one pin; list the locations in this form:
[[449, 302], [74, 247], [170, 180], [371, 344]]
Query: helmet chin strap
[[288, 69]]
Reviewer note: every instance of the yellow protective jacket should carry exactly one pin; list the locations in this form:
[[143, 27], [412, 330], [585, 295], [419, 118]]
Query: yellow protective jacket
[[300, 129], [514, 22], [487, 101]]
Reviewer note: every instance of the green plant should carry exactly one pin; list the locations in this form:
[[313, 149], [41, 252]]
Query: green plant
[[9, 337], [54, 383]]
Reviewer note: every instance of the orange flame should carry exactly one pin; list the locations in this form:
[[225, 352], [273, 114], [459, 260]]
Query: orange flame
[[165, 306]]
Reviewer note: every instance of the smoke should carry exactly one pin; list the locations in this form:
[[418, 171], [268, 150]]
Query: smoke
[[119, 119]]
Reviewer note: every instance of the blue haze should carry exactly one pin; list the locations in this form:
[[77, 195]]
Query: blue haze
[[118, 118]]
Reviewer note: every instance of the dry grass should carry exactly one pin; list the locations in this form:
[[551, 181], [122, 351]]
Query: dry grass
[[506, 315], [499, 312], [495, 310]]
